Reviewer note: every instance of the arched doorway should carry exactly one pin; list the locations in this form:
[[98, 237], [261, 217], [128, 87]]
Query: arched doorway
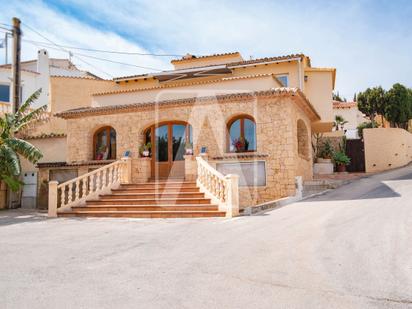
[[168, 140]]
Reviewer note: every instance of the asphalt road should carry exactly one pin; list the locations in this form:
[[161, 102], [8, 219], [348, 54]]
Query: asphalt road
[[349, 248]]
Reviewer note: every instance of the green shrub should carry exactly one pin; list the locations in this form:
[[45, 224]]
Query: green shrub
[[365, 125], [341, 158], [327, 150]]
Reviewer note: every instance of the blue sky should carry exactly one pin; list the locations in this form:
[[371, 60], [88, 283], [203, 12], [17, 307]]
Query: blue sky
[[369, 42]]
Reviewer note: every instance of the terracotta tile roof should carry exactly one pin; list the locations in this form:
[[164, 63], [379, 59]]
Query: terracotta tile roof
[[338, 104], [266, 59], [183, 84], [81, 77], [126, 108], [228, 65], [44, 136], [8, 66], [73, 164], [194, 57]]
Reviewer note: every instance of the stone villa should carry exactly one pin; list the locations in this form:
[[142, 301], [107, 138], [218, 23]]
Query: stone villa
[[209, 117]]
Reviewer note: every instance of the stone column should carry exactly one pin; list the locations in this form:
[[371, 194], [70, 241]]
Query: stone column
[[232, 199], [190, 167], [127, 170], [52, 212], [142, 169]]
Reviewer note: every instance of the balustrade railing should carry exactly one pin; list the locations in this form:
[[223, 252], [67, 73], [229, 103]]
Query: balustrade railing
[[88, 186], [5, 107], [223, 190]]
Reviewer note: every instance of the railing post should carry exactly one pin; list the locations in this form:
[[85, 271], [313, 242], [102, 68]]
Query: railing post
[[126, 170], [232, 199], [52, 212]]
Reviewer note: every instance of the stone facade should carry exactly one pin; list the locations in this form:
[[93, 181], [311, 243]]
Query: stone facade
[[276, 119]]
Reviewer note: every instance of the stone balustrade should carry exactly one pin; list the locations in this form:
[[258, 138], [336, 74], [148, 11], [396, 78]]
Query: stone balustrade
[[88, 186], [5, 107], [222, 190]]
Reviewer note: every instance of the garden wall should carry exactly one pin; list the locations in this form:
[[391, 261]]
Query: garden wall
[[386, 148]]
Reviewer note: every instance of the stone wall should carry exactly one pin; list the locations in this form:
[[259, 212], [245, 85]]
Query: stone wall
[[386, 148], [276, 134]]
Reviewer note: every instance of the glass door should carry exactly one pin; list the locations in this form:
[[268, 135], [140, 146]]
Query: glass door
[[161, 155]]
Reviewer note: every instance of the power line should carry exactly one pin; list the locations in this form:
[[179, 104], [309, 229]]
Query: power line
[[67, 51], [102, 59], [110, 51]]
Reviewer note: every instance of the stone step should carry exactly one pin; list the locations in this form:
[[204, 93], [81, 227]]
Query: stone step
[[183, 207], [156, 190], [144, 214], [152, 195], [141, 201], [171, 185]]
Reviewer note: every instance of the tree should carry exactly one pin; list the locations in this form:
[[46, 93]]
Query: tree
[[399, 106], [336, 97], [11, 146], [372, 102], [339, 122]]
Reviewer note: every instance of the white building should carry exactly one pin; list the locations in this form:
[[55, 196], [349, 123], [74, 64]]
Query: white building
[[354, 117], [36, 74]]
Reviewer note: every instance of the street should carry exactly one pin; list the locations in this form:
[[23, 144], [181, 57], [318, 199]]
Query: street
[[348, 248]]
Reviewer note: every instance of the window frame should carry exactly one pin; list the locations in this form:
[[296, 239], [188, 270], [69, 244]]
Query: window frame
[[108, 142], [8, 85], [283, 75], [242, 131]]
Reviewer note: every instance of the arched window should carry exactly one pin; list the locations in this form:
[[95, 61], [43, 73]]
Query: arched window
[[242, 134], [303, 139], [105, 144]]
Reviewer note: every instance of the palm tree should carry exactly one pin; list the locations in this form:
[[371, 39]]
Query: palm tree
[[339, 122], [11, 146]]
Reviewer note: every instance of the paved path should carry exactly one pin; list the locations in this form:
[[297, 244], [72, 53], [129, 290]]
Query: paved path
[[350, 248]]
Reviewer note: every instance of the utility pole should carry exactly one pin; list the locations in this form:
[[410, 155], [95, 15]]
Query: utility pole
[[16, 64], [6, 48]]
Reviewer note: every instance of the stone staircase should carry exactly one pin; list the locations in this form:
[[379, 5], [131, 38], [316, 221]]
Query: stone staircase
[[155, 199], [317, 186]]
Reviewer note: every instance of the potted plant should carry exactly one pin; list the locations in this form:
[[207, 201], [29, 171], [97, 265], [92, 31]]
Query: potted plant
[[189, 148], [326, 152], [341, 160], [239, 144], [145, 150], [100, 152]]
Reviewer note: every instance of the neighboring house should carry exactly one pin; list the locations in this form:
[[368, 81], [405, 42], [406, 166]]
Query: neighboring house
[[64, 86], [253, 118], [350, 112]]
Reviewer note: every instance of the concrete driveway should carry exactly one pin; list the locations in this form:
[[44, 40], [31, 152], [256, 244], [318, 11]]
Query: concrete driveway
[[350, 248]]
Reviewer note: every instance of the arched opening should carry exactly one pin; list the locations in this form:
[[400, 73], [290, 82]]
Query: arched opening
[[104, 142], [303, 139], [169, 142], [241, 134]]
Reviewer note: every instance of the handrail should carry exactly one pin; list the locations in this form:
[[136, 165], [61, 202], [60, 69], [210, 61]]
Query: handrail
[[223, 190], [88, 174], [5, 107], [88, 186]]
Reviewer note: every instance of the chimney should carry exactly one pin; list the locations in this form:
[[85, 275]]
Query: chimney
[[43, 78], [43, 61]]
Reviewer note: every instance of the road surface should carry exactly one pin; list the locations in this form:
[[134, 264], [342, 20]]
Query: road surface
[[349, 248]]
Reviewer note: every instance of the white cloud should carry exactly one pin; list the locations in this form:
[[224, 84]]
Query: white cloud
[[64, 30], [367, 41]]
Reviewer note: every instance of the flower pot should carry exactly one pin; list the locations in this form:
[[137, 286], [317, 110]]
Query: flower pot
[[322, 160], [146, 153], [341, 168]]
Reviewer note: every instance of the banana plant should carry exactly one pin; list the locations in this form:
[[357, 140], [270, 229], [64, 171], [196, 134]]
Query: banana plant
[[12, 147]]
